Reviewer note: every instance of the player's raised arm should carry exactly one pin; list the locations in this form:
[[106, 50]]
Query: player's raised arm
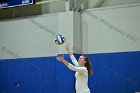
[[71, 55], [68, 49], [70, 66]]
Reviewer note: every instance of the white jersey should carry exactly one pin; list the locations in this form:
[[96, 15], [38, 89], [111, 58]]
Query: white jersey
[[81, 75]]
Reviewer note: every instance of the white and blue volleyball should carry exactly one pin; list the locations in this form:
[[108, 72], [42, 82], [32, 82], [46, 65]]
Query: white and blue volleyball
[[59, 39]]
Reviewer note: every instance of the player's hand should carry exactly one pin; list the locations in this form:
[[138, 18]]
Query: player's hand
[[68, 48], [60, 58]]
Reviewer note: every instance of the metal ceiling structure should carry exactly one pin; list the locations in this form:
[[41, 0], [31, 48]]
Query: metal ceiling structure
[[55, 6]]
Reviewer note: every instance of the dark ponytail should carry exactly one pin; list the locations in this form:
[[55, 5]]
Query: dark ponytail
[[88, 65]]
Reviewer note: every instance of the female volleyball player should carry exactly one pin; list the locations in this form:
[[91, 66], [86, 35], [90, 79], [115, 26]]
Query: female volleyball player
[[83, 69]]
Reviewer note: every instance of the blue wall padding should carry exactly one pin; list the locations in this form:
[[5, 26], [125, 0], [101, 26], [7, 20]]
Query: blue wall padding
[[113, 73]]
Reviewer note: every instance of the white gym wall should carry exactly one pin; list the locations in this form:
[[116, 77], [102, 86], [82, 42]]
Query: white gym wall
[[26, 39], [99, 37]]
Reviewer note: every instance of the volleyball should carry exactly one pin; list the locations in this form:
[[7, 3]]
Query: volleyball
[[59, 39]]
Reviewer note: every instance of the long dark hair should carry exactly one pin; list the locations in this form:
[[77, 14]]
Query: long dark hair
[[88, 65]]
